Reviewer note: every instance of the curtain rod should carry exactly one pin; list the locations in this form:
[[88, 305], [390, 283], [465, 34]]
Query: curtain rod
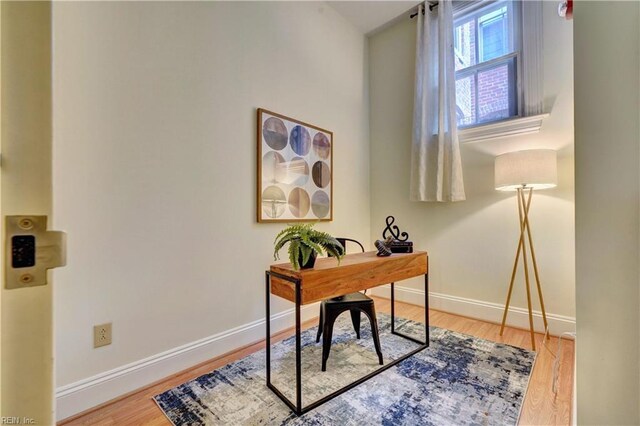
[[432, 5]]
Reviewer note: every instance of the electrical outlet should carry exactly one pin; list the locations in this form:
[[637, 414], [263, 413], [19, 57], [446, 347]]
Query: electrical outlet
[[101, 335]]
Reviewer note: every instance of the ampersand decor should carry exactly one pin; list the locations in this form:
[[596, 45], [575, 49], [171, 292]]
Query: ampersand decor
[[393, 230]]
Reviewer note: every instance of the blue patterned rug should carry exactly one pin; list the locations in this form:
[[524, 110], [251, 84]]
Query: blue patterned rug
[[459, 380]]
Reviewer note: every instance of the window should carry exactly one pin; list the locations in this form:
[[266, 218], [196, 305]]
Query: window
[[487, 60]]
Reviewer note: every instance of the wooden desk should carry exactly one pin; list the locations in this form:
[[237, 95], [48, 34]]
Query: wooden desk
[[329, 279], [355, 272]]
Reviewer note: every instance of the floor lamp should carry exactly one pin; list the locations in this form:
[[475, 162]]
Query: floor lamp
[[524, 171]]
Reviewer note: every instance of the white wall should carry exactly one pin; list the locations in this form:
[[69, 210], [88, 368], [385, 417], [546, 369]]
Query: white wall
[[155, 159], [472, 244], [607, 88]]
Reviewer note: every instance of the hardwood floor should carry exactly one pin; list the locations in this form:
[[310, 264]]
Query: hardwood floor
[[541, 405]]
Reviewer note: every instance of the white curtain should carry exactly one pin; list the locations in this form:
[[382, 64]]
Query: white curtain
[[436, 168]]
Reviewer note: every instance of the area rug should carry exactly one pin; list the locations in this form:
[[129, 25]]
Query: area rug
[[459, 380]]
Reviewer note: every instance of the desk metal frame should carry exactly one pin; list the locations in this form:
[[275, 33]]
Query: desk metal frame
[[297, 408]]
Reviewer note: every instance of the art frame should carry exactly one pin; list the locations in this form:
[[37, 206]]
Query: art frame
[[295, 170]]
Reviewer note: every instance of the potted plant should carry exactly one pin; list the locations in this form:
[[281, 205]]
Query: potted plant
[[305, 243]]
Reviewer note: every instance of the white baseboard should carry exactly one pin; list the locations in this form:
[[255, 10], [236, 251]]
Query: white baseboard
[[87, 393], [76, 397], [486, 311]]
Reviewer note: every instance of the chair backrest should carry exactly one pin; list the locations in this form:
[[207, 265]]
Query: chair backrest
[[343, 241]]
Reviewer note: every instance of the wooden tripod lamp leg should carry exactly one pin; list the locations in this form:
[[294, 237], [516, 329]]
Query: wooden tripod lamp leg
[[513, 272], [535, 263], [521, 207]]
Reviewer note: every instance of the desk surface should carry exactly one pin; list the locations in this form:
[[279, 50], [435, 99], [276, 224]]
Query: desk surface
[[355, 272]]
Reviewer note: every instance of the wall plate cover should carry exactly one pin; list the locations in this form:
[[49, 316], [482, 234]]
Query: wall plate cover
[[101, 335], [30, 250]]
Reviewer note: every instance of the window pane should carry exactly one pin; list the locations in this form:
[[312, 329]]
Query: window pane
[[465, 44], [494, 37], [496, 93], [466, 100], [495, 34]]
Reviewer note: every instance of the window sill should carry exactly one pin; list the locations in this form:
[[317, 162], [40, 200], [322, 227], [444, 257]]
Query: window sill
[[502, 129]]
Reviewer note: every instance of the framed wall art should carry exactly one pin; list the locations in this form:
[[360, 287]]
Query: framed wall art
[[295, 170]]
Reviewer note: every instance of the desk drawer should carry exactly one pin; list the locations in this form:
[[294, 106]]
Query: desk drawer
[[355, 273]]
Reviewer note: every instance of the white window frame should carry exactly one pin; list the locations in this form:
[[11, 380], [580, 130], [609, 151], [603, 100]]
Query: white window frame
[[529, 75], [474, 12]]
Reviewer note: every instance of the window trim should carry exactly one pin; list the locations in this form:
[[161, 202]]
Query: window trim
[[501, 129]]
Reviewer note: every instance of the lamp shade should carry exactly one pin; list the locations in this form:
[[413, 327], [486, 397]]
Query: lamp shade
[[534, 168]]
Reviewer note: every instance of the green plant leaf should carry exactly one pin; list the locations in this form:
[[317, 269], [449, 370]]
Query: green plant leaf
[[334, 251], [285, 239], [309, 242], [294, 253]]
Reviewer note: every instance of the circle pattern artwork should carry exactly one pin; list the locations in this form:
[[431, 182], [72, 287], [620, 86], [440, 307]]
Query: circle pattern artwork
[[273, 201], [300, 140], [321, 174], [275, 133], [321, 145], [297, 171], [274, 168], [320, 204], [299, 202]]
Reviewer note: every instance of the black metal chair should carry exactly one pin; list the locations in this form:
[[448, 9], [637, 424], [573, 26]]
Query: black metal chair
[[355, 303]]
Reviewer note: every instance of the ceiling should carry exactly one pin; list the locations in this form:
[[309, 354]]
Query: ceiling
[[370, 16]]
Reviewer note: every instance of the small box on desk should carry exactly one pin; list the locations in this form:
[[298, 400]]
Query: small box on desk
[[401, 247]]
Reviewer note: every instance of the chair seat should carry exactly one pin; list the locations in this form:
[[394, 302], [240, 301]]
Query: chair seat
[[332, 308], [349, 298]]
